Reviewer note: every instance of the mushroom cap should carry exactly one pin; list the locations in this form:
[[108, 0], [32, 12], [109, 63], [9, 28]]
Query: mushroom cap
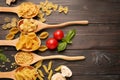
[[58, 76], [65, 71]]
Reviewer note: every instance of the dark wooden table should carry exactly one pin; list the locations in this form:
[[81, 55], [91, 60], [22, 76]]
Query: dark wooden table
[[99, 41]]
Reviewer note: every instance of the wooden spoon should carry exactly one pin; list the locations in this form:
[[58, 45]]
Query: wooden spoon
[[16, 10], [11, 74], [8, 74], [44, 26], [36, 58], [14, 42]]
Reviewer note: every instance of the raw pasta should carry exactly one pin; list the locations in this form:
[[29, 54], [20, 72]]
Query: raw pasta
[[28, 10], [14, 30], [50, 74], [26, 73], [7, 19], [38, 64], [43, 48], [58, 68], [47, 8], [4, 26], [9, 23], [10, 36], [24, 58], [44, 35], [40, 78], [63, 9], [28, 42], [40, 73], [45, 68], [50, 65], [28, 25], [14, 22]]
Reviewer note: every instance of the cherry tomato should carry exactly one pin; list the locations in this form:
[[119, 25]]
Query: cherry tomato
[[58, 34], [51, 43]]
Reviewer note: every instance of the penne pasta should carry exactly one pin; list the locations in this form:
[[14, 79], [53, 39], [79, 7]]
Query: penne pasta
[[50, 65], [50, 74], [45, 68], [58, 68], [38, 64], [40, 73]]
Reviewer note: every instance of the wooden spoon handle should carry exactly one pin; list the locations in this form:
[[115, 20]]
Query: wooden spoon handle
[[68, 23], [6, 75], [64, 57], [7, 42], [8, 9]]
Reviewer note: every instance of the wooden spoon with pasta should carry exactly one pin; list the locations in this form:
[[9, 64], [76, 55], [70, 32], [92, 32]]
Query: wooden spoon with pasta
[[41, 25], [31, 58], [14, 42], [11, 74], [25, 10]]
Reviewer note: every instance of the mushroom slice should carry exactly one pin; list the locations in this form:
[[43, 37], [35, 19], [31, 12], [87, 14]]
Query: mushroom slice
[[65, 71], [58, 76]]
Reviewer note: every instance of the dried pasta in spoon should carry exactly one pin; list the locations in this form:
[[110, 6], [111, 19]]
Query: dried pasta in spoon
[[29, 42], [26, 73]]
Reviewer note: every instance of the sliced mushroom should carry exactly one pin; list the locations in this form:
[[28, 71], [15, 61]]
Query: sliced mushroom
[[65, 71], [58, 76]]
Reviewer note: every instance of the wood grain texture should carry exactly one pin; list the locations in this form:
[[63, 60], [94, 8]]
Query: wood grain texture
[[99, 41]]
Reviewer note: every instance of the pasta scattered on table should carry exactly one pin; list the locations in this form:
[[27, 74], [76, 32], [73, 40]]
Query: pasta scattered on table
[[10, 36], [43, 48]]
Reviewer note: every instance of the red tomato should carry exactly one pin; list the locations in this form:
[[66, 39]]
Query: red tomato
[[58, 34], [51, 43]]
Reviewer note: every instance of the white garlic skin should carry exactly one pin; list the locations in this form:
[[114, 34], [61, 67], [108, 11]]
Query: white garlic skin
[[8, 2]]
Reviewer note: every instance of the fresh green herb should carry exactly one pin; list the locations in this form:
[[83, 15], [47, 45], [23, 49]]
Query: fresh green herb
[[66, 40], [2, 56], [69, 36], [62, 46]]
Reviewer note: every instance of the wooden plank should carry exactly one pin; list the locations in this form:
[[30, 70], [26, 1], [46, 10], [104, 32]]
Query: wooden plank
[[90, 77], [98, 41], [97, 62], [95, 77], [96, 11], [93, 36]]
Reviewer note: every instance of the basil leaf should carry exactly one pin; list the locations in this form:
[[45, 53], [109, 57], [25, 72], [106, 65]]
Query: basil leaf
[[64, 40], [3, 57], [61, 46], [70, 35], [69, 42]]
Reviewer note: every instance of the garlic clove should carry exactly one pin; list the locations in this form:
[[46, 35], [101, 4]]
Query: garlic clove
[[9, 1], [58, 76], [65, 71]]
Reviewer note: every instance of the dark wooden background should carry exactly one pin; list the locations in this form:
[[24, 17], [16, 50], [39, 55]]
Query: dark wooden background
[[99, 41]]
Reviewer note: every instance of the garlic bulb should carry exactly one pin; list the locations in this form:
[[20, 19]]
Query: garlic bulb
[[9, 1], [58, 76], [65, 71]]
